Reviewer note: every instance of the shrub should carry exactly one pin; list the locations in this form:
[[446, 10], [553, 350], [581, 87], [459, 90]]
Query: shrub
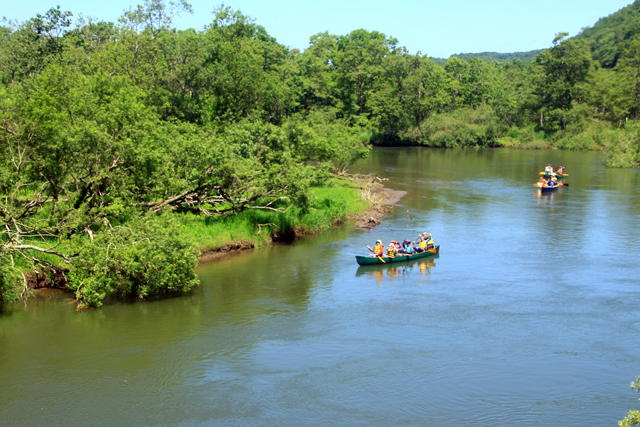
[[465, 127], [624, 147], [586, 136], [9, 283], [147, 258]]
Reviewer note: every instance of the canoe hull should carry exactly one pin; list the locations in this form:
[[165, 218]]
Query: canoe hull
[[369, 260], [547, 189]]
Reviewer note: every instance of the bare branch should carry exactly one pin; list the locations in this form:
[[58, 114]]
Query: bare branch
[[10, 246]]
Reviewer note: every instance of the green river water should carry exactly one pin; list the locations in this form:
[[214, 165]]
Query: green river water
[[529, 316]]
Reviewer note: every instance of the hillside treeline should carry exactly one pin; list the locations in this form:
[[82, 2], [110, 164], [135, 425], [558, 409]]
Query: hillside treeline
[[234, 71], [108, 129]]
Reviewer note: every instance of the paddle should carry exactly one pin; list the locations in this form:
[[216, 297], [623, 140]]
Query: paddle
[[433, 250], [380, 258]]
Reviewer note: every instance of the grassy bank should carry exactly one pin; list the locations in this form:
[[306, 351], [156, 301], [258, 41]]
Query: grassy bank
[[468, 128], [186, 236], [482, 127], [328, 205]]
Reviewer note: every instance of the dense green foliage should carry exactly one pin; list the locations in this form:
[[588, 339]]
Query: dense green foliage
[[523, 57], [611, 35], [106, 127]]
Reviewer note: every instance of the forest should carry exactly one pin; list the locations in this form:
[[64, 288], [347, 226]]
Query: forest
[[122, 141]]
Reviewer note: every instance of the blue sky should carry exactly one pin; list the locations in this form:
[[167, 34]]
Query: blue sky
[[437, 28]]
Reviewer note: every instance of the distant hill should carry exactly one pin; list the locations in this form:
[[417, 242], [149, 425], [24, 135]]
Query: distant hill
[[524, 57], [611, 35], [608, 38]]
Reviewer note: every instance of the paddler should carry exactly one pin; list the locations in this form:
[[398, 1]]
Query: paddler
[[422, 244], [407, 247], [429, 240], [391, 250], [378, 249]]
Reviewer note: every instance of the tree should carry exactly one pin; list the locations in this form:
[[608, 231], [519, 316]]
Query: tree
[[562, 67], [25, 49], [326, 140], [472, 81], [154, 15], [317, 84], [358, 65], [630, 64], [410, 90], [425, 89]]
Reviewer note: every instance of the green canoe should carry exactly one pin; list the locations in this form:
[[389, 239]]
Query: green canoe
[[369, 260]]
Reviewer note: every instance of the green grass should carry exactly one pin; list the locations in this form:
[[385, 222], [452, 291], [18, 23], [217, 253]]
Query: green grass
[[328, 205]]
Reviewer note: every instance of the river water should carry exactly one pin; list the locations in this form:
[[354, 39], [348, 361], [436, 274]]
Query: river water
[[529, 316]]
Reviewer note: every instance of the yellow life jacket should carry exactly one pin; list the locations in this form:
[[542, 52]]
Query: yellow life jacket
[[422, 244], [391, 251]]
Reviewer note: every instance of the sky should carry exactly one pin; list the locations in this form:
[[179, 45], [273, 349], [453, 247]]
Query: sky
[[437, 28]]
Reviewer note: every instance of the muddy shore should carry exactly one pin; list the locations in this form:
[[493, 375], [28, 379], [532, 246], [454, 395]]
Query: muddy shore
[[382, 198]]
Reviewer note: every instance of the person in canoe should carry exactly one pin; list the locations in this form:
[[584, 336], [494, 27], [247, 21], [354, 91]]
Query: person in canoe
[[407, 247], [554, 180], [429, 240], [378, 249], [391, 250], [548, 169], [560, 170], [422, 243]]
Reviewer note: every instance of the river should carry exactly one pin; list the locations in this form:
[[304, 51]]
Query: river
[[529, 316]]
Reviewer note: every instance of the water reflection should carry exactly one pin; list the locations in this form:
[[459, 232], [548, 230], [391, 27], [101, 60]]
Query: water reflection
[[547, 198], [379, 272]]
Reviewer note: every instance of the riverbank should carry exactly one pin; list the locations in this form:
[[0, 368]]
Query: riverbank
[[369, 203], [362, 199]]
